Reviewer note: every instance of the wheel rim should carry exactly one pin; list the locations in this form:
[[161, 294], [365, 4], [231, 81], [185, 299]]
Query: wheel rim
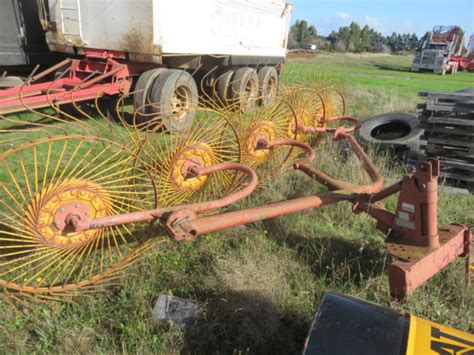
[[271, 90], [248, 96], [181, 102]]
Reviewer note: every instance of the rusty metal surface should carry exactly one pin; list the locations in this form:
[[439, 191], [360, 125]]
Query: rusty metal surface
[[77, 225], [406, 276]]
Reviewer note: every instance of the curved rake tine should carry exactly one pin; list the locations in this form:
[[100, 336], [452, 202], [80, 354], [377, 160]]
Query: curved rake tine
[[210, 98]]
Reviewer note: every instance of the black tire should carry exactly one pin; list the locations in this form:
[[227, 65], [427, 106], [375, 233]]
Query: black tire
[[245, 89], [396, 131], [141, 101], [223, 87], [268, 81], [175, 98]]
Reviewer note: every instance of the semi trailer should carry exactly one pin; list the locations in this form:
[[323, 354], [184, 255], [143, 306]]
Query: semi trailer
[[164, 52], [441, 52]]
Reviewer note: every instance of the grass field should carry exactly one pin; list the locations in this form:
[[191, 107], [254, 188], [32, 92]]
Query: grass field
[[260, 284]]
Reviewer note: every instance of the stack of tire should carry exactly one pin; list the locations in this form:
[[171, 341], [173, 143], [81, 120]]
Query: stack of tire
[[396, 133], [173, 95]]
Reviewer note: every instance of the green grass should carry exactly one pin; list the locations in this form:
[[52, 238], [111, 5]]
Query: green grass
[[260, 284], [376, 81]]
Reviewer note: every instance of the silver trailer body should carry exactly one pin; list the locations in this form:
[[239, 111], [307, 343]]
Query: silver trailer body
[[148, 30], [22, 40]]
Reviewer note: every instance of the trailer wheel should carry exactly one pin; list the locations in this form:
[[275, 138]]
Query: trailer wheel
[[245, 89], [141, 101], [268, 81], [223, 87], [175, 98], [10, 82]]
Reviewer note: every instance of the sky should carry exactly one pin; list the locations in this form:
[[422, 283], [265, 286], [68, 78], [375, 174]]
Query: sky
[[386, 16]]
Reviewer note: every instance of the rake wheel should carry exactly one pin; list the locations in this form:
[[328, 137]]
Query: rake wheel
[[307, 110], [266, 124], [335, 102], [42, 183], [209, 141]]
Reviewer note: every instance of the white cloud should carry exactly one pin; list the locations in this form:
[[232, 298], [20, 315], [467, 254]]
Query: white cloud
[[343, 15], [374, 22]]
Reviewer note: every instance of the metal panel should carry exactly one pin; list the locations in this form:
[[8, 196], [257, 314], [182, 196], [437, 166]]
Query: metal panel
[[173, 27], [22, 40], [11, 46]]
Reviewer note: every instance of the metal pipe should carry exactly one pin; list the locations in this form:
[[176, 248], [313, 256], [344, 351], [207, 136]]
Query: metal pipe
[[357, 125], [231, 219], [76, 225], [86, 84], [311, 154], [336, 184], [51, 69]]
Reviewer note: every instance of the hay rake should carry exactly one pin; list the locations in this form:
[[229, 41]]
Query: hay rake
[[78, 197]]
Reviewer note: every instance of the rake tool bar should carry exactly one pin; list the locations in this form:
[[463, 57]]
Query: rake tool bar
[[76, 223]]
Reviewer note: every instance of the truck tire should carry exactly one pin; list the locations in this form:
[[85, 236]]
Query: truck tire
[[396, 131], [175, 98], [10, 82], [223, 87], [143, 89], [268, 82], [245, 89]]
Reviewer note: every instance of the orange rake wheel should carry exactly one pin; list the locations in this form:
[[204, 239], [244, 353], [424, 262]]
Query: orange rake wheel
[[43, 182]]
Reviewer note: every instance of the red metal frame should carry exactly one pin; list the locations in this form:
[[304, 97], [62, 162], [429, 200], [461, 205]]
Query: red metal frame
[[412, 231], [99, 73]]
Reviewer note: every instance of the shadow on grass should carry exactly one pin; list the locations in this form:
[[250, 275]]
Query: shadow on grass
[[333, 257], [244, 322]]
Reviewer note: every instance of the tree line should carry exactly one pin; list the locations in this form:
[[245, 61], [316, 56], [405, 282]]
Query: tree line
[[352, 38]]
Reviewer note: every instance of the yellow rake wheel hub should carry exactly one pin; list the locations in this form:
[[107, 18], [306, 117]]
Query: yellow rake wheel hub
[[199, 155], [81, 197], [262, 130]]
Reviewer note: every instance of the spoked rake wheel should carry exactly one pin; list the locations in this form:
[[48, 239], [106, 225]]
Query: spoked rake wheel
[[277, 122], [335, 102], [209, 141], [45, 181], [307, 110]]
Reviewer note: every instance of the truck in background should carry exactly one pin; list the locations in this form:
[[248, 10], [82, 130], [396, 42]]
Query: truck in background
[[157, 49], [470, 54], [441, 53]]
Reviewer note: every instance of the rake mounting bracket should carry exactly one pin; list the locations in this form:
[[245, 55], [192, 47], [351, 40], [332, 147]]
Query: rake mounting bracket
[[178, 225]]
